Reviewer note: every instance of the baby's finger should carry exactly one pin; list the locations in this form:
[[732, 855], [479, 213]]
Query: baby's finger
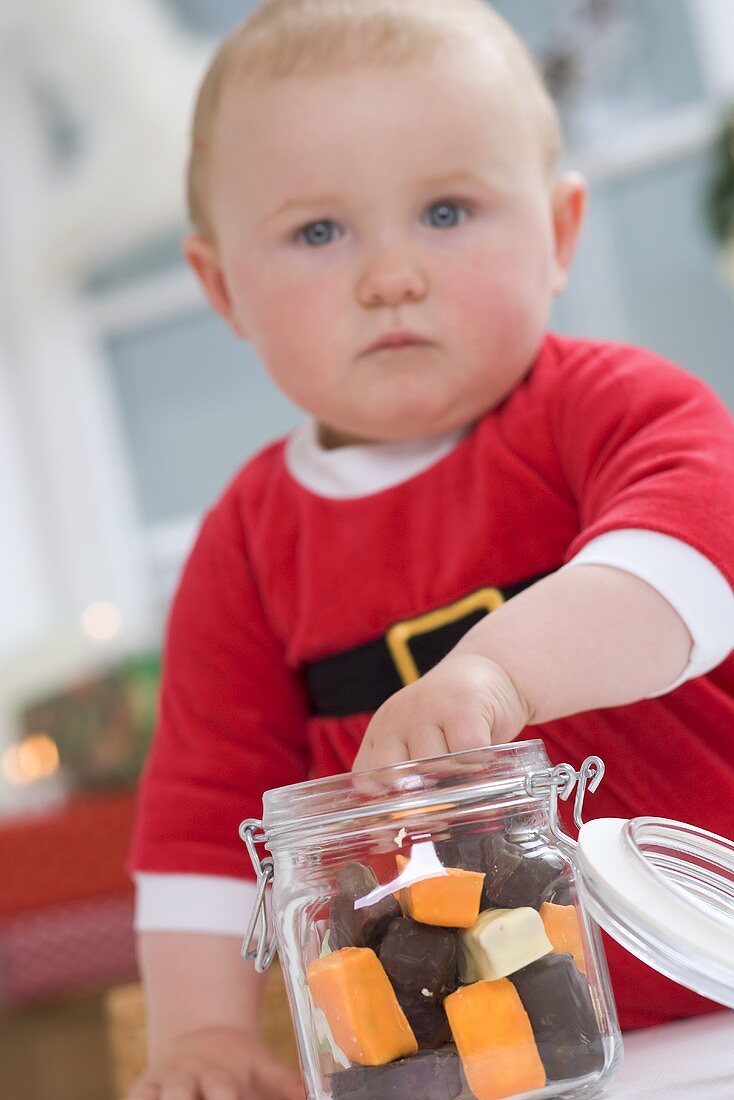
[[469, 730], [371, 784], [219, 1084], [278, 1082], [428, 740], [144, 1090], [381, 751], [180, 1085]]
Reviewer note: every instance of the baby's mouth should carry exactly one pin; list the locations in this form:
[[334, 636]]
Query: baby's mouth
[[396, 341]]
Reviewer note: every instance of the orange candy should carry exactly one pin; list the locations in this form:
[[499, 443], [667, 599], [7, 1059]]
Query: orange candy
[[353, 991], [449, 901], [562, 928], [495, 1041]]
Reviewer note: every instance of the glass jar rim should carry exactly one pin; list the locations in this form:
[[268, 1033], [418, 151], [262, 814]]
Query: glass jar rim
[[664, 890], [492, 771]]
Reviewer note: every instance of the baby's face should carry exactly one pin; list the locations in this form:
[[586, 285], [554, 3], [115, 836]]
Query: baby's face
[[355, 206]]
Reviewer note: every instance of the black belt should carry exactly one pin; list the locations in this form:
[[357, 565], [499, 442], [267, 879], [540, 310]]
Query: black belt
[[359, 680]]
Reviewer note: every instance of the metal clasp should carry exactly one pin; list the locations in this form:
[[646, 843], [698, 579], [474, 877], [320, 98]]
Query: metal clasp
[[559, 782], [251, 833], [590, 776]]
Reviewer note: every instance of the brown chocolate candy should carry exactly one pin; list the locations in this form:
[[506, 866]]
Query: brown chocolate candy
[[429, 1075], [350, 927], [463, 850], [421, 963], [556, 997], [523, 872]]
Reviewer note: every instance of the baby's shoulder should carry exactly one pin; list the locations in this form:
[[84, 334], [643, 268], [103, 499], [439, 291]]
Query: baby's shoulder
[[253, 477], [248, 491], [610, 391], [570, 364]]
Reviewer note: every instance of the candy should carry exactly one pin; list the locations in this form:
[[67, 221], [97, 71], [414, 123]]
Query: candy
[[463, 850], [353, 991], [557, 999], [562, 928], [350, 927], [521, 873], [450, 900], [434, 1075], [494, 1038], [500, 942], [421, 963]]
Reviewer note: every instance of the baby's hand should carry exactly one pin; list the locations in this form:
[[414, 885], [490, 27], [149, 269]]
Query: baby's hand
[[218, 1064], [465, 702]]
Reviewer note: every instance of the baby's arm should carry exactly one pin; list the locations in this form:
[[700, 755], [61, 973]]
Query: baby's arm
[[638, 446], [202, 1005], [584, 638], [231, 723]]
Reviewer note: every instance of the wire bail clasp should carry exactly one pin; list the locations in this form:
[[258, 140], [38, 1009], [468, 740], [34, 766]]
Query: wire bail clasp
[[251, 833], [562, 783], [590, 776], [559, 782]]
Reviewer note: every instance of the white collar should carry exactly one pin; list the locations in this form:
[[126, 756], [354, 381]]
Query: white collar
[[359, 470]]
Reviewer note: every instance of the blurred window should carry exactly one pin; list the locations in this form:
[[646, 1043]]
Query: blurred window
[[195, 403], [612, 62], [662, 287], [213, 17]]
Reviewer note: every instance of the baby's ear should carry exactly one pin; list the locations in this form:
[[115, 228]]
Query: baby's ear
[[569, 203], [203, 259]]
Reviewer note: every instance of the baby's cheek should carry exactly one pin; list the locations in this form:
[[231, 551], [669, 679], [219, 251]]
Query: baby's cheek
[[302, 344], [495, 320], [481, 303], [288, 317], [310, 304]]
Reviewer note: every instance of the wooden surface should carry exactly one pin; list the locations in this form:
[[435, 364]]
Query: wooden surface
[[55, 1052], [126, 1028], [275, 1018]]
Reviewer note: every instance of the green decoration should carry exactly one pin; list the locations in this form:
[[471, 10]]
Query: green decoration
[[102, 726], [720, 192]]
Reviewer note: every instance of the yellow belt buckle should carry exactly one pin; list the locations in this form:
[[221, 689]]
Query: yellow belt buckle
[[399, 635]]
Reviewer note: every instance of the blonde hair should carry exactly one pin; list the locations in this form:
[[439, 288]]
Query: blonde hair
[[285, 37]]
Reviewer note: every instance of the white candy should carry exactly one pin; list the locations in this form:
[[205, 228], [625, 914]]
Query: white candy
[[500, 942]]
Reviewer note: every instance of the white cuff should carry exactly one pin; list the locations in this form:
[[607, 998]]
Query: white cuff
[[192, 903], [690, 583]]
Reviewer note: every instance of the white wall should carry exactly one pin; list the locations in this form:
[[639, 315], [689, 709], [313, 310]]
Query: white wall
[[715, 21], [25, 597]]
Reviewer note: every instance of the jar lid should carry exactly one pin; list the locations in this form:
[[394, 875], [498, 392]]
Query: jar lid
[[665, 891]]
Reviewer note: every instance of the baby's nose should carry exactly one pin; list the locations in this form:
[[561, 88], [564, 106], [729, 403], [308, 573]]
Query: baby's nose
[[390, 280]]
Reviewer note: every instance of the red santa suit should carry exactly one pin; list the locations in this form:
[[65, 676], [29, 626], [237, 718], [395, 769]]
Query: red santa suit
[[602, 453]]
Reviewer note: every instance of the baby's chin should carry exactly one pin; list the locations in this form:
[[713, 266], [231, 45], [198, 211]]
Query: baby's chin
[[331, 438]]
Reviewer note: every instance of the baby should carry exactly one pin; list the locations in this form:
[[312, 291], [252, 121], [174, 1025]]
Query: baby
[[378, 209]]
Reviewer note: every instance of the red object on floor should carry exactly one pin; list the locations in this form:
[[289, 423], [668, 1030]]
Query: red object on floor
[[72, 852], [66, 901], [68, 948]]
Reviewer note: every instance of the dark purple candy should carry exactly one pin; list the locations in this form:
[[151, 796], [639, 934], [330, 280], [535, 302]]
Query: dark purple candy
[[350, 927], [421, 963], [428, 1075], [556, 997], [418, 956], [429, 1023], [523, 872], [463, 850]]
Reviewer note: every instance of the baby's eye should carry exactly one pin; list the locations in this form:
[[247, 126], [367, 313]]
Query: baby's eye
[[446, 214], [319, 233]]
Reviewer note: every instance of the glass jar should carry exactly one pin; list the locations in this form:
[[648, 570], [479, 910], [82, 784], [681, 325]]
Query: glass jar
[[431, 932]]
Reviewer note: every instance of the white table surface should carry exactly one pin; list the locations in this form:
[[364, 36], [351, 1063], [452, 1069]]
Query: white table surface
[[686, 1060]]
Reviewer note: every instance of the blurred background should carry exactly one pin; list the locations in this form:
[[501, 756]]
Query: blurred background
[[125, 406]]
